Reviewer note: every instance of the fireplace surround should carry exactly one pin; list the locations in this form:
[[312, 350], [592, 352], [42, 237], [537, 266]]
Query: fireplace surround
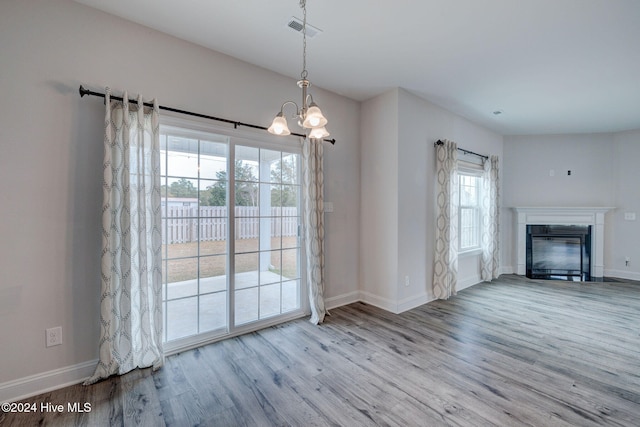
[[563, 216]]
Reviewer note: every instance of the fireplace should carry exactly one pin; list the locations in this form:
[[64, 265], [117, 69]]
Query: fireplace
[[559, 252], [568, 218]]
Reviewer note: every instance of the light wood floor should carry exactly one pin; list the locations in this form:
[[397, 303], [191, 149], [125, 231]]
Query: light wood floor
[[514, 352]]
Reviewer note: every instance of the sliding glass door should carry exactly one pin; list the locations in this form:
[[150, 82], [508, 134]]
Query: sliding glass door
[[267, 233], [231, 234]]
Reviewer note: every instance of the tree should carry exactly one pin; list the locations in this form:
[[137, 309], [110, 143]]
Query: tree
[[246, 185], [246, 188], [285, 172], [182, 188], [215, 194]]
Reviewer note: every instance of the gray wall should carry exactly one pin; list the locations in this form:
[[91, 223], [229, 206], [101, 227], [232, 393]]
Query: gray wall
[[51, 166], [379, 200], [398, 190], [625, 235], [604, 173]]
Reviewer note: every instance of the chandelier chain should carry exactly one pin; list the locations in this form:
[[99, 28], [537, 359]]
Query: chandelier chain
[[304, 73]]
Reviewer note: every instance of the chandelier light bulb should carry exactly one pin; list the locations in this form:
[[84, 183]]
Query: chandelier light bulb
[[319, 133], [314, 118], [279, 126]]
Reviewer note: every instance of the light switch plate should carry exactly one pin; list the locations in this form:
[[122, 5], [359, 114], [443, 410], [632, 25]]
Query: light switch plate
[[629, 216], [328, 207]]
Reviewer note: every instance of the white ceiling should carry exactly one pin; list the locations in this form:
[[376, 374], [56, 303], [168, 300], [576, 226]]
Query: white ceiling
[[551, 66]]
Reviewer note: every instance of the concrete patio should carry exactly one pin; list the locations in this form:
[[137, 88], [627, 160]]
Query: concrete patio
[[258, 295]]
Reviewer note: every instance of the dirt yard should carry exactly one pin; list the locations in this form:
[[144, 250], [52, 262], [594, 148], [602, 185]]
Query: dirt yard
[[182, 260]]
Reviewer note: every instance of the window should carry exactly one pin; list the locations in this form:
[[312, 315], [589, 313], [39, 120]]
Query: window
[[230, 233], [469, 214]]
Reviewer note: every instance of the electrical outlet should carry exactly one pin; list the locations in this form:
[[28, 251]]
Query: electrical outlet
[[406, 280], [54, 336]]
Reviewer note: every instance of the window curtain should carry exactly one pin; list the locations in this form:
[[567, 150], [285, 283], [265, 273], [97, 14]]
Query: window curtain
[[490, 263], [445, 267], [313, 220], [131, 298]]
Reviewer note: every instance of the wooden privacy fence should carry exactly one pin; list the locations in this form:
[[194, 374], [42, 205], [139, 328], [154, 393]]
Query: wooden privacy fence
[[182, 225]]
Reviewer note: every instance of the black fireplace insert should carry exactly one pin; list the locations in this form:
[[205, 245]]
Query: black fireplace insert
[[559, 252]]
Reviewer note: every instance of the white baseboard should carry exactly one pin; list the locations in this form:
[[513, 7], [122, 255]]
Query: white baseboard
[[32, 385], [44, 382], [378, 301], [468, 281], [507, 270], [622, 274], [340, 300], [413, 302], [394, 306]]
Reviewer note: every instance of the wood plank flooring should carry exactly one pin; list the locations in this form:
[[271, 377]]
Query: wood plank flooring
[[510, 353]]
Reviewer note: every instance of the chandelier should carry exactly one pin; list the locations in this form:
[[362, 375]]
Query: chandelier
[[308, 115]]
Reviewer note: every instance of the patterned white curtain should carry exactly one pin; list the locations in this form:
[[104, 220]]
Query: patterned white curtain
[[313, 220], [131, 299], [445, 266], [490, 263]]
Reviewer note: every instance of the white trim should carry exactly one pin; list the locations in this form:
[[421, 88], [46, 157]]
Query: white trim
[[621, 274], [340, 300], [395, 306], [470, 252], [507, 269], [377, 301], [477, 209], [180, 346], [232, 138], [253, 137], [593, 216], [471, 167], [467, 282], [413, 302], [44, 382]]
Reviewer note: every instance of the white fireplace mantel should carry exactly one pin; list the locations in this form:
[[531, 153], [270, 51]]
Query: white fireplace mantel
[[593, 216]]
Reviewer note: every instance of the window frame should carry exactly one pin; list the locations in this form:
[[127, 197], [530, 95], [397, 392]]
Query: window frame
[[247, 138], [470, 170]]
